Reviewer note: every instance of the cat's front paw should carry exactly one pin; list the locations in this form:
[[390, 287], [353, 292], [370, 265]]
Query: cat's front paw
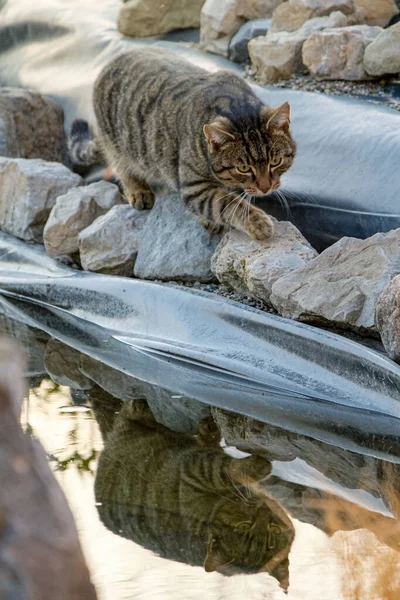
[[141, 200], [259, 226], [214, 228]]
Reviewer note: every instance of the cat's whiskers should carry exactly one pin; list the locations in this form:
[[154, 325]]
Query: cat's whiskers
[[227, 206], [242, 199]]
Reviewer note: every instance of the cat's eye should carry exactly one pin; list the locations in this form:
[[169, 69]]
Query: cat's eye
[[244, 169], [245, 526], [275, 162]]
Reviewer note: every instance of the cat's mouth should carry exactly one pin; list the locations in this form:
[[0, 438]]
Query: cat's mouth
[[254, 191]]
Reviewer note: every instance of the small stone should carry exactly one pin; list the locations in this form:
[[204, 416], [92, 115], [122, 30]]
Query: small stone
[[173, 244], [31, 126], [382, 56], [147, 18], [291, 15], [252, 268], [110, 245], [388, 318], [62, 364], [339, 53], [238, 50], [28, 191], [378, 12], [341, 287], [75, 211]]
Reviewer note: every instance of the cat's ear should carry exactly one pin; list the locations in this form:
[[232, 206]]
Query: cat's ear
[[278, 117], [218, 133], [213, 560]]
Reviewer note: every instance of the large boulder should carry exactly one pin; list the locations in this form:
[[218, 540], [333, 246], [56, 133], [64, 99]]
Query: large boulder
[[75, 211], [238, 47], [382, 56], [378, 12], [279, 55], [339, 53], [342, 285], [110, 244], [146, 18], [252, 268], [31, 126], [28, 191], [256, 9], [173, 244], [388, 318], [291, 15]]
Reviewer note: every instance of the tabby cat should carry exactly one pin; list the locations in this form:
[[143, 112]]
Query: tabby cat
[[161, 119], [188, 501]]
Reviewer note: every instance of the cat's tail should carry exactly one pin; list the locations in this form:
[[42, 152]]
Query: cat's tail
[[83, 147]]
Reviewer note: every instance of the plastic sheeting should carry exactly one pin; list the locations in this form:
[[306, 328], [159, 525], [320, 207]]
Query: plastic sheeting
[[288, 374], [345, 179]]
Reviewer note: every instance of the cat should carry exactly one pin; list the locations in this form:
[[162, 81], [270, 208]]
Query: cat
[[161, 119], [188, 501]]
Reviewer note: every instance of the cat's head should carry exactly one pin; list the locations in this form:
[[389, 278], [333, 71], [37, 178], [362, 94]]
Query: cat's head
[[252, 537], [251, 152]]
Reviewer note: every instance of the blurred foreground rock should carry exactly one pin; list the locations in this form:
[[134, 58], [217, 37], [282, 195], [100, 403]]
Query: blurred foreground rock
[[388, 318], [341, 287], [40, 555], [31, 126], [28, 191], [145, 18], [252, 268]]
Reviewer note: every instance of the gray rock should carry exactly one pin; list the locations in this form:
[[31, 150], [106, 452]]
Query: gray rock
[[28, 192], [251, 268], [388, 318], [31, 126], [174, 246], [339, 53], [279, 55], [144, 18], [382, 56], [62, 364], [238, 50], [291, 15], [342, 285], [110, 245], [75, 211]]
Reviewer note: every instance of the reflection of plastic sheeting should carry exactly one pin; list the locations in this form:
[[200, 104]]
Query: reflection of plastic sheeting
[[339, 185], [275, 370]]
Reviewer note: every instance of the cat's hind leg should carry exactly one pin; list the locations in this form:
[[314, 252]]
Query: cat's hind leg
[[137, 191]]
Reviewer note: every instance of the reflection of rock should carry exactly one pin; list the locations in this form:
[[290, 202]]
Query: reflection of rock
[[40, 556], [28, 191], [75, 211], [339, 53], [32, 341], [111, 244], [342, 285], [238, 50], [251, 268], [144, 18], [388, 318], [62, 364], [382, 56], [173, 244], [31, 126]]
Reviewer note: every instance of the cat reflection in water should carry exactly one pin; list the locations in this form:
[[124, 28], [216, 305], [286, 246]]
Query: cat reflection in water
[[188, 501]]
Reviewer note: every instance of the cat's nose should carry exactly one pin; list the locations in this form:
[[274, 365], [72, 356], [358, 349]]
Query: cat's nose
[[264, 184]]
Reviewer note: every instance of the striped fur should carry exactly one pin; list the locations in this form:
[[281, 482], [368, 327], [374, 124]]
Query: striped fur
[[161, 119]]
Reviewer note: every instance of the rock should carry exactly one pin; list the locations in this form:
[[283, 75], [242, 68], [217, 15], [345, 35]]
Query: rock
[[256, 9], [110, 245], [238, 50], [146, 18], [291, 15], [252, 268], [31, 126], [75, 211], [382, 56], [62, 364], [28, 192], [339, 53], [40, 555], [388, 318], [279, 55], [174, 246], [342, 285], [378, 12], [219, 22], [116, 383]]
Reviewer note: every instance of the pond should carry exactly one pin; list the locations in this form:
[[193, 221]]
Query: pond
[[165, 490]]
